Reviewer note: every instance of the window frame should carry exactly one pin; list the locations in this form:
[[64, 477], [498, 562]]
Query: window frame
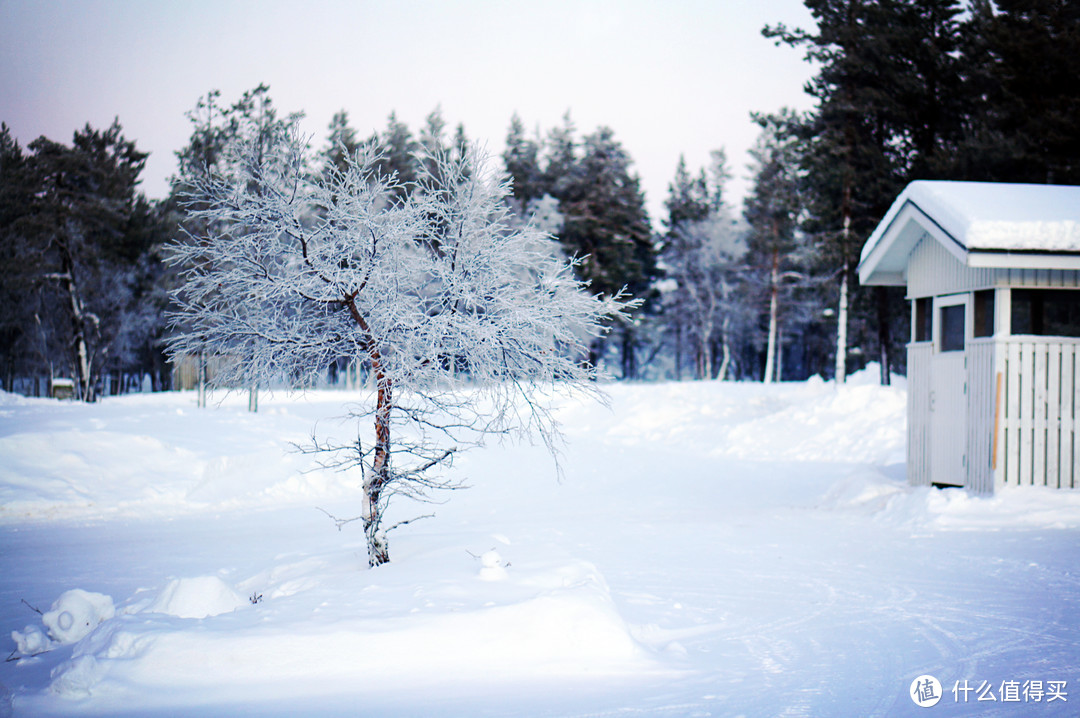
[[942, 303]]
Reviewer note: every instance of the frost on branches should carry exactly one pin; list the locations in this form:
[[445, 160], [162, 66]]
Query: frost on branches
[[465, 322]]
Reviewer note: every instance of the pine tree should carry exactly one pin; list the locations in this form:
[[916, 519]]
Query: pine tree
[[87, 237], [562, 169], [399, 155], [1024, 63], [217, 133], [862, 139], [522, 161], [432, 143], [341, 141], [17, 264], [772, 210], [607, 227]]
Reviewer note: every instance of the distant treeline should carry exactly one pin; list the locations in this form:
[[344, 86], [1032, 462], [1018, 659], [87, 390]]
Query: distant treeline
[[905, 90]]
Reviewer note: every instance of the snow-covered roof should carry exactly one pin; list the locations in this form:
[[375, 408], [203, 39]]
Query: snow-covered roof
[[983, 224]]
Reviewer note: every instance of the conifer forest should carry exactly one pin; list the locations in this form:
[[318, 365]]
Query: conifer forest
[[763, 289]]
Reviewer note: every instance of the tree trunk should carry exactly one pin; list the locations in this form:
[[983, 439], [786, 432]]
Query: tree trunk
[[253, 398], [379, 478], [629, 357], [884, 338], [678, 349], [701, 359], [779, 354], [841, 330], [84, 385], [202, 381], [726, 348], [774, 301]]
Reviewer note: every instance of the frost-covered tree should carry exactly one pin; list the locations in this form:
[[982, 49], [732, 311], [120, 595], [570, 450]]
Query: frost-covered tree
[[252, 119], [698, 258], [466, 323]]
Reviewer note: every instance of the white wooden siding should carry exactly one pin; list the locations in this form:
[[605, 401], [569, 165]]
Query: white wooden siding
[[933, 270], [981, 400], [1038, 421], [918, 381]]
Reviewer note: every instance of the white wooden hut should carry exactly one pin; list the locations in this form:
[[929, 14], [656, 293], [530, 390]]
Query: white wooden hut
[[993, 274]]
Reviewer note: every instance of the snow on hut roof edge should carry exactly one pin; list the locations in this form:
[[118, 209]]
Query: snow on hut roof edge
[[973, 217]]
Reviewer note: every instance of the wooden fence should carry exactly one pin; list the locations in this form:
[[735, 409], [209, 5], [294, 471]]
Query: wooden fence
[[1036, 411]]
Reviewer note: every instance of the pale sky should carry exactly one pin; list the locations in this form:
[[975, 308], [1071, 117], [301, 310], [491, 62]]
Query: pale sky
[[670, 78]]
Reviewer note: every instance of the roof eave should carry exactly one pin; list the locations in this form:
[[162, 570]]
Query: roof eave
[[885, 264]]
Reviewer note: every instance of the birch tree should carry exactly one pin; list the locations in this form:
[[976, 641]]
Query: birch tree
[[698, 258], [772, 210], [468, 324]]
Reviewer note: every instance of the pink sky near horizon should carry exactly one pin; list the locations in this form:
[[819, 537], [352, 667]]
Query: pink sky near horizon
[[670, 79]]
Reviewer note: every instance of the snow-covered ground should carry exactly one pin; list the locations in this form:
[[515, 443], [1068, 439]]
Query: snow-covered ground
[[712, 550]]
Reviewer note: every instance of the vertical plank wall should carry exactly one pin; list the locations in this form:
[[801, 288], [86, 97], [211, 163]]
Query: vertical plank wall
[[981, 400], [918, 445], [1037, 432]]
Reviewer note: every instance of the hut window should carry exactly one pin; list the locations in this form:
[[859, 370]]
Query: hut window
[[984, 313], [1046, 312], [952, 328], [924, 327]]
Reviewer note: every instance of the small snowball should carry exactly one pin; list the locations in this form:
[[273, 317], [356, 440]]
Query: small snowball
[[31, 641], [492, 567]]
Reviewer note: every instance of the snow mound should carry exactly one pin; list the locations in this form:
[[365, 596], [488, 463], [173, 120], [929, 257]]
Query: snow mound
[[559, 621], [198, 597], [848, 424], [894, 502], [857, 422], [865, 492], [76, 613], [1015, 507]]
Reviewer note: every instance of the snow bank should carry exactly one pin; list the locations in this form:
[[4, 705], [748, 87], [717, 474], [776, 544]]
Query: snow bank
[[159, 455], [893, 502], [558, 621], [858, 422], [1014, 507]]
